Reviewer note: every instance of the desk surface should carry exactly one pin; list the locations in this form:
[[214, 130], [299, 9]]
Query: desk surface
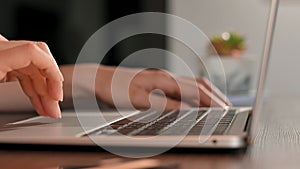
[[276, 145]]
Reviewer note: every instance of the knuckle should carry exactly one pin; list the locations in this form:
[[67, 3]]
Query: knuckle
[[136, 97], [41, 44], [201, 80], [133, 94], [162, 74], [206, 80], [30, 47]]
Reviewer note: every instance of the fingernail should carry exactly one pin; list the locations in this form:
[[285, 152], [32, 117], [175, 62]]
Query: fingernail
[[41, 112], [184, 106], [61, 96], [57, 113]]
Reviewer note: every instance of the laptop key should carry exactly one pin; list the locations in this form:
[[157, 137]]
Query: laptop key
[[218, 127]]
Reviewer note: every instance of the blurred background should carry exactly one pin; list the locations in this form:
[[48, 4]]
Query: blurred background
[[235, 28], [66, 25]]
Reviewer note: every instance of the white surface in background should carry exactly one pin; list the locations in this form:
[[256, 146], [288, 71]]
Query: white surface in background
[[283, 76]]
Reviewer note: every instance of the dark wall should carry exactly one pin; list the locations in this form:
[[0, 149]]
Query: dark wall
[[65, 25]]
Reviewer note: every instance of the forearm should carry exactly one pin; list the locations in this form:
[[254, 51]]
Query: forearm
[[83, 89], [12, 97]]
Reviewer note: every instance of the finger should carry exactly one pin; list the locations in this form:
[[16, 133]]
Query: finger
[[55, 89], [199, 93], [163, 80], [10, 77], [16, 58], [44, 47], [214, 90], [53, 85], [209, 94], [38, 81], [142, 99], [37, 104], [51, 107], [44, 105], [178, 88], [31, 53], [211, 88], [28, 89], [5, 44], [207, 98]]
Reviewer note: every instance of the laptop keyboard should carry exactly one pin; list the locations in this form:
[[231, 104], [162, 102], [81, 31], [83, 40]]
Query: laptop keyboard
[[187, 122]]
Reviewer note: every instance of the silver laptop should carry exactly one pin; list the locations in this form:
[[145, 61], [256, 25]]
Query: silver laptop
[[209, 128]]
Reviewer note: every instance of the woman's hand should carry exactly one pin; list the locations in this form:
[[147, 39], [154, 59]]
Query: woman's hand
[[126, 87], [34, 66]]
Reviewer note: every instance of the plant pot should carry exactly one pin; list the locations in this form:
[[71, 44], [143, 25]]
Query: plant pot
[[240, 73]]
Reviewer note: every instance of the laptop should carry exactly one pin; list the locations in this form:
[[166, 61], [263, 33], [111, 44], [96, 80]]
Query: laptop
[[137, 130]]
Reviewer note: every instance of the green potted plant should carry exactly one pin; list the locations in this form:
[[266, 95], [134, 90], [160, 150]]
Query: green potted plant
[[238, 68], [228, 44]]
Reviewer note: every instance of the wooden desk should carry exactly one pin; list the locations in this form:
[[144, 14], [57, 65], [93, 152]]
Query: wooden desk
[[276, 145]]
